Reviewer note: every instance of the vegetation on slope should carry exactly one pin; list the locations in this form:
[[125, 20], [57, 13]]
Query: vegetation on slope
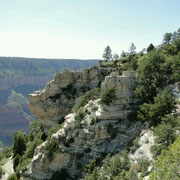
[[156, 68]]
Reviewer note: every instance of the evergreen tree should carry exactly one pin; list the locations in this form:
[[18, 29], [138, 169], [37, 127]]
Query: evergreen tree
[[132, 49], [154, 113], [19, 143], [150, 47], [152, 76], [107, 53], [167, 38], [123, 54]]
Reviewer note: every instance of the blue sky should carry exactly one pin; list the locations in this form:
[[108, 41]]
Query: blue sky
[[83, 28]]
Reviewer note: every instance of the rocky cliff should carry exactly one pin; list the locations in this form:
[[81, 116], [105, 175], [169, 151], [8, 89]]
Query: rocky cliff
[[24, 76], [103, 130], [56, 100]]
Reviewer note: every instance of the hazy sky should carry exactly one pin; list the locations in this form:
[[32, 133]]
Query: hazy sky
[[83, 28]]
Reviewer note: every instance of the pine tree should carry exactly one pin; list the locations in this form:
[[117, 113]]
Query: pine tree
[[107, 53]]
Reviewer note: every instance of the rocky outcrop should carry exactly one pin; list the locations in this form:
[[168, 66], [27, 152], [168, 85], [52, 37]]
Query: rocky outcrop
[[104, 129], [55, 101], [125, 100]]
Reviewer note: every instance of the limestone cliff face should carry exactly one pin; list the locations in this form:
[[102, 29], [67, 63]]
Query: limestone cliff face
[[55, 101], [105, 129]]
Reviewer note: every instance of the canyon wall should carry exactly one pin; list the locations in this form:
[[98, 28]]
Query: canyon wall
[[56, 100], [104, 130]]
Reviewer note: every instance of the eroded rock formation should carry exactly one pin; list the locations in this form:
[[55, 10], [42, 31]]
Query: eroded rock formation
[[55, 101], [103, 130]]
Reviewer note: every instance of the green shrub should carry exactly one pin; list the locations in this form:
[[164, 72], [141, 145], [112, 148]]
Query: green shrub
[[167, 165], [16, 162], [95, 66], [143, 164], [79, 116], [1, 172], [53, 129], [94, 120], [165, 136], [94, 108], [12, 177], [108, 95], [36, 130], [106, 65], [89, 168], [164, 104], [87, 111], [31, 146], [152, 76], [50, 148], [24, 162], [90, 95], [19, 143], [135, 145], [114, 168], [5, 153]]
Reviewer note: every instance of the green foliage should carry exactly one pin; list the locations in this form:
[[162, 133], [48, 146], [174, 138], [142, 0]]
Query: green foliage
[[12, 177], [69, 91], [132, 63], [167, 165], [114, 168], [163, 104], [19, 143], [132, 49], [107, 64], [87, 111], [174, 68], [107, 53], [165, 134], [143, 166], [79, 116], [135, 145], [89, 168], [31, 146], [53, 130], [150, 47], [36, 130], [50, 148], [94, 120], [4, 154], [1, 171], [94, 108], [90, 95], [108, 95], [24, 145], [171, 45], [16, 161], [152, 76]]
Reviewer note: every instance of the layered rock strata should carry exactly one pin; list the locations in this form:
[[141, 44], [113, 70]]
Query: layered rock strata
[[55, 101], [104, 129]]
